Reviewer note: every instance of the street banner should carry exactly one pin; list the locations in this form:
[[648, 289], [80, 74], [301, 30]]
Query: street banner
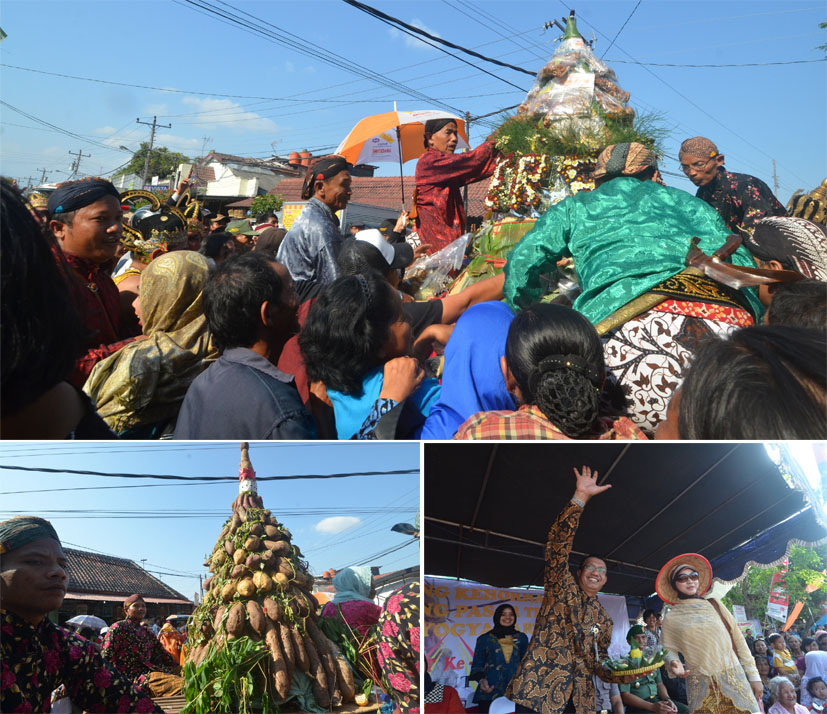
[[779, 601], [457, 612], [739, 613]]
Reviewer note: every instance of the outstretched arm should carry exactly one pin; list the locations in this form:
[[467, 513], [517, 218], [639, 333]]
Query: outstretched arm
[[561, 535]]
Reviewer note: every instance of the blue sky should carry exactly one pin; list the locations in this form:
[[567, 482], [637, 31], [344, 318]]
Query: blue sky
[[754, 114], [336, 522]]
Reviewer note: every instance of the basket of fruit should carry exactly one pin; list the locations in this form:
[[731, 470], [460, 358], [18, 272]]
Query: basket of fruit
[[636, 663]]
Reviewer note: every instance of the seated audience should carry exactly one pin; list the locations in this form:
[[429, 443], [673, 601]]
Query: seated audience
[[554, 368], [139, 389], [250, 307], [783, 694]]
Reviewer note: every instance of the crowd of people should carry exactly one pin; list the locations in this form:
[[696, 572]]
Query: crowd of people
[[697, 317], [123, 667], [709, 666]]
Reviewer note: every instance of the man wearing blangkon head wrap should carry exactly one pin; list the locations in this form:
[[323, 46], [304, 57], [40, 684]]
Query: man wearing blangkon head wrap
[[310, 248], [440, 173], [86, 218], [36, 655]]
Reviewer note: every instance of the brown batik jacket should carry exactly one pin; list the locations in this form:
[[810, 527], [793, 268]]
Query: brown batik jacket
[[561, 659]]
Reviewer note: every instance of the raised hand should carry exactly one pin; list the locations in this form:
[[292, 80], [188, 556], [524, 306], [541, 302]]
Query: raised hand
[[679, 670], [587, 484]]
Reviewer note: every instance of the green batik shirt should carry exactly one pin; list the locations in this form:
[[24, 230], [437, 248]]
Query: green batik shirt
[[625, 237]]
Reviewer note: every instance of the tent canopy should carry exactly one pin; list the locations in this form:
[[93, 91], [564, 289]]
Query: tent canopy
[[488, 508]]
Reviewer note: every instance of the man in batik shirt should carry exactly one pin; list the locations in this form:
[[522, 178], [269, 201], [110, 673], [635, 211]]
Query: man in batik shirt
[[37, 656], [572, 631], [740, 199]]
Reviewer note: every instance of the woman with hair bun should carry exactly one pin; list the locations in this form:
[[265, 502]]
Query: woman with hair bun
[[554, 368]]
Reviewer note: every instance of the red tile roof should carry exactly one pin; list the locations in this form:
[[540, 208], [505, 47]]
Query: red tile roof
[[96, 573], [202, 174], [383, 191]]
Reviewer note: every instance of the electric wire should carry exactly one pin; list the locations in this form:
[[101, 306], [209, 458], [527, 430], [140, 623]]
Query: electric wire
[[225, 479], [621, 29]]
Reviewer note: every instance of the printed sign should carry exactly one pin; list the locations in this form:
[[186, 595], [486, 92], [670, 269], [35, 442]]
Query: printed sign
[[457, 612], [779, 600]]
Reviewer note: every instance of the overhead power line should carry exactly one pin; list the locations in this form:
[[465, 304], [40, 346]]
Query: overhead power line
[[59, 129], [258, 26], [171, 477], [617, 34], [419, 31], [710, 66]]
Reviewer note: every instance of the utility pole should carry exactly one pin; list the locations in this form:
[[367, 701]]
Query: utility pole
[[154, 126], [42, 175], [29, 182], [465, 188], [774, 178], [76, 163]]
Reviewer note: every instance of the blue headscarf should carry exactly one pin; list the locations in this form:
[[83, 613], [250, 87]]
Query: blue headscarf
[[352, 584], [472, 380]]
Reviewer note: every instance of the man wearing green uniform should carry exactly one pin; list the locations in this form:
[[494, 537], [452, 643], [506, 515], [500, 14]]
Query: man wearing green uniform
[[647, 694]]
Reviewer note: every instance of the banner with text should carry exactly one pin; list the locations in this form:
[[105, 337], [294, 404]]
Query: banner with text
[[779, 601], [457, 612]]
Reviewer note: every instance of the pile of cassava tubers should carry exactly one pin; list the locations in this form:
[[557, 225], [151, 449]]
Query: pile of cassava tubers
[[260, 588]]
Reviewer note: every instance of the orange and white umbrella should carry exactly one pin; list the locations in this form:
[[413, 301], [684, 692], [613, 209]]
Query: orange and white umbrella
[[393, 136]]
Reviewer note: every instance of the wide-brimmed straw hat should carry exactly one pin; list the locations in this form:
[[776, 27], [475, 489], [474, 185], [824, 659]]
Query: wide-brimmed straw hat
[[663, 583]]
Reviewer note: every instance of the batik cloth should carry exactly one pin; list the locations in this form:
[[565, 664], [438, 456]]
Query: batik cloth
[[740, 199], [491, 663], [626, 237], [440, 211], [649, 354], [529, 423], [719, 677], [145, 383], [135, 651], [398, 642], [97, 303], [571, 636], [36, 660]]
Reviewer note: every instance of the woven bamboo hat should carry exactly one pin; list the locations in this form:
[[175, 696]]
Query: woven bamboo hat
[[663, 583]]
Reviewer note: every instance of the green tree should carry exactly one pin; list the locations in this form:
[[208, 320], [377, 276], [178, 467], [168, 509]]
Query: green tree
[[806, 566], [162, 163], [266, 204], [823, 26]]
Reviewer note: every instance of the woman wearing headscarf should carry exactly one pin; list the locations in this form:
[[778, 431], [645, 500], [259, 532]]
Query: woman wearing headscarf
[[352, 601], [497, 655], [720, 672], [398, 653], [139, 390], [815, 665], [136, 652], [440, 174], [472, 379], [37, 656]]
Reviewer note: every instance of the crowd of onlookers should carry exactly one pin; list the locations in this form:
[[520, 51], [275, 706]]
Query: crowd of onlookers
[[211, 329]]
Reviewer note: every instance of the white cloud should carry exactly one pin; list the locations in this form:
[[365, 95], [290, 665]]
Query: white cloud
[[155, 110], [226, 114], [412, 41], [104, 130], [178, 143], [337, 524], [289, 66]]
